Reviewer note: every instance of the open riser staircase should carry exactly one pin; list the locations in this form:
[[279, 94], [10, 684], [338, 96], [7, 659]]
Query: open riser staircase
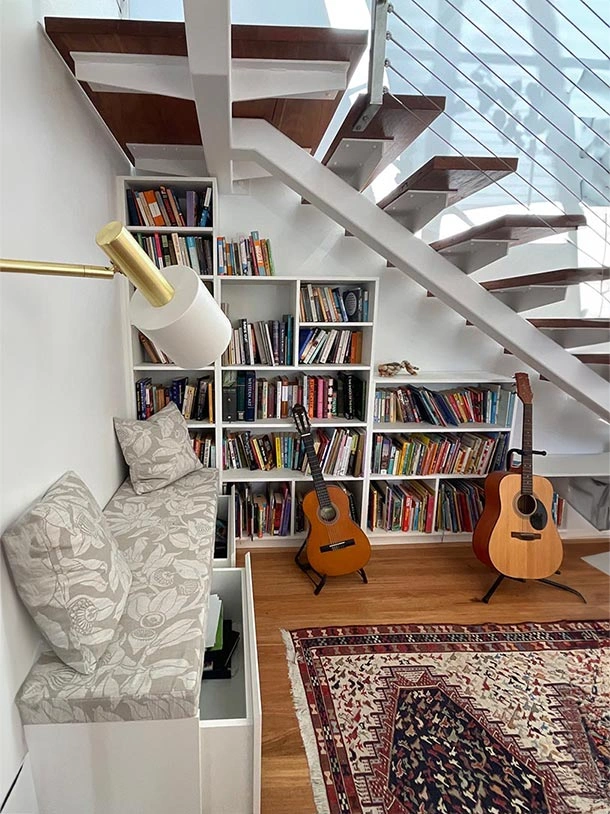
[[276, 136]]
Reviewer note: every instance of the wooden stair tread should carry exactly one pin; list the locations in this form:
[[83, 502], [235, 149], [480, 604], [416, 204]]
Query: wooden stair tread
[[594, 358], [149, 119], [557, 277], [399, 121], [566, 323], [516, 229], [458, 175]]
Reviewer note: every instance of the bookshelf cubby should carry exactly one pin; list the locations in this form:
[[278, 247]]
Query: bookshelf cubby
[[318, 304]]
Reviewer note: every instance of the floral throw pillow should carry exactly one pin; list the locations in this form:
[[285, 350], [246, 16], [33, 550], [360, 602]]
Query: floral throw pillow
[[69, 572], [158, 451]]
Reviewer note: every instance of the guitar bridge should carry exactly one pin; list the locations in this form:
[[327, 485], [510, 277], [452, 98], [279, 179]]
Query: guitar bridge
[[525, 535], [336, 546]]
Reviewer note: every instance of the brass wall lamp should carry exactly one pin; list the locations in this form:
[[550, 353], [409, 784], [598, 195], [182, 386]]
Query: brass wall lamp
[[173, 308]]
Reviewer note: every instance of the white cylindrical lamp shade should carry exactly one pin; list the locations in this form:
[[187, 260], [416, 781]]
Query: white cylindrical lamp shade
[[191, 328]]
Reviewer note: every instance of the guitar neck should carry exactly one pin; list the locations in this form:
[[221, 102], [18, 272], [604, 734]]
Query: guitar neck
[[526, 447], [316, 473]]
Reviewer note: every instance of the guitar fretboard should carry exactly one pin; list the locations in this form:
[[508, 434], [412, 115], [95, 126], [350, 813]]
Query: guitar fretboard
[[527, 446], [316, 473]]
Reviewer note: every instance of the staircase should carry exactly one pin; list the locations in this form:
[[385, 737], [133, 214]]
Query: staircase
[[309, 70]]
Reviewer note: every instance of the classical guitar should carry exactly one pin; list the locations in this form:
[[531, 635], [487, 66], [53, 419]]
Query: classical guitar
[[335, 545], [516, 534]]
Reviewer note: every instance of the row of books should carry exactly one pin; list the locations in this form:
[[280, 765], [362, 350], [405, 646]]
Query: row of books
[[173, 249], [195, 401], [460, 504], [168, 207], [204, 448], [445, 408], [261, 343], [245, 256], [246, 398], [401, 507], [339, 451], [324, 303], [335, 346], [265, 512], [151, 352], [422, 454]]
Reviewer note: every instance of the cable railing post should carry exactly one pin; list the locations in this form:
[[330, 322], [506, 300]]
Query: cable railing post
[[379, 25]]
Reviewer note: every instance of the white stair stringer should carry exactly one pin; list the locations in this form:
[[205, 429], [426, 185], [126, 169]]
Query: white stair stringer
[[257, 140]]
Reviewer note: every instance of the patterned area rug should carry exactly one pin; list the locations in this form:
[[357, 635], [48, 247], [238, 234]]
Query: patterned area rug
[[447, 719]]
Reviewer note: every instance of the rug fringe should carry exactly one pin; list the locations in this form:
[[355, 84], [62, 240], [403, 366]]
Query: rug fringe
[[305, 725]]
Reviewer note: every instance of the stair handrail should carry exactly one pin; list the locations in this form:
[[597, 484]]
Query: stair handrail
[[391, 37]]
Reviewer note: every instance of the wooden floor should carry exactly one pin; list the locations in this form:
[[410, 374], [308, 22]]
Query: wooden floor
[[428, 583]]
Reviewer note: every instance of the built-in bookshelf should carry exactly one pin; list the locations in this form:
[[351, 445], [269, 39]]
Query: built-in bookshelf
[[412, 452]]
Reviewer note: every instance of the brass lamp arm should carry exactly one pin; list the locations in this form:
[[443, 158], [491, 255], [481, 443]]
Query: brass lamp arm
[[127, 257], [58, 269]]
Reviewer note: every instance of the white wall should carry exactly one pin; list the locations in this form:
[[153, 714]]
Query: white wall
[[60, 374]]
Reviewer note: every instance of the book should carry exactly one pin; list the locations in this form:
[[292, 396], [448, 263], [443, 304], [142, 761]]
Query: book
[[217, 663]]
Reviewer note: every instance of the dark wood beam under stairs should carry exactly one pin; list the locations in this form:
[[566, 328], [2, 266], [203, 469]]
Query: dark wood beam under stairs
[[543, 288], [484, 244], [138, 118], [574, 333], [442, 182], [359, 156]]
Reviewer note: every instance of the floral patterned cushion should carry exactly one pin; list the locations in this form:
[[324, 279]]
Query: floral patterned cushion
[[152, 668], [69, 572], [158, 451]]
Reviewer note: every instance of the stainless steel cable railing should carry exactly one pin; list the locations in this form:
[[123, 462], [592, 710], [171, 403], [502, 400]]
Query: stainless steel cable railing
[[391, 38], [527, 71], [557, 10], [392, 10], [510, 194]]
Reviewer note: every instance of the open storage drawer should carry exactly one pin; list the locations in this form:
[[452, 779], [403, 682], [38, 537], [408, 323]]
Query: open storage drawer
[[230, 709]]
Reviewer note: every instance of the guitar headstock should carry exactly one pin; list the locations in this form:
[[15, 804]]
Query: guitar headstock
[[524, 391], [301, 419]]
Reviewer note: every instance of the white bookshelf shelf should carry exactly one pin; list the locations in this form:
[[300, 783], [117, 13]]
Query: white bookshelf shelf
[[380, 427], [336, 324], [167, 230]]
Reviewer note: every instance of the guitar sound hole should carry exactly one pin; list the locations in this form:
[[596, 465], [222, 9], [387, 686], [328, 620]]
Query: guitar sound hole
[[328, 513], [526, 504]]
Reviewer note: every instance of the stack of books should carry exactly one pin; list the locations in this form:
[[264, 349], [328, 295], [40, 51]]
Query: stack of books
[[151, 352], [245, 256], [204, 447], [195, 401], [169, 207], [422, 454], [401, 506], [262, 513], [261, 343], [324, 303], [335, 346], [445, 408], [178, 250], [221, 641], [460, 504]]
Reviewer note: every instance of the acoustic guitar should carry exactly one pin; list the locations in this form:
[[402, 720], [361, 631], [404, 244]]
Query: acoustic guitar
[[516, 534], [335, 545]]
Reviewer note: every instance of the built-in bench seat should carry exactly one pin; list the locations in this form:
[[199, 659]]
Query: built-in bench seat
[[152, 668]]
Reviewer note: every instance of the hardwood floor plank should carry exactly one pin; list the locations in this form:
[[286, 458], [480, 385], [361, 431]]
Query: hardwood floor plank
[[407, 584]]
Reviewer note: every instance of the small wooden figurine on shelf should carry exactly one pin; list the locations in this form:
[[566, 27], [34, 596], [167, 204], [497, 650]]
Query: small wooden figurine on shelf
[[393, 368]]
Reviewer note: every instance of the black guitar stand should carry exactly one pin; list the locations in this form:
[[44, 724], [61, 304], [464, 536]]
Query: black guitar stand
[[308, 570], [550, 582]]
